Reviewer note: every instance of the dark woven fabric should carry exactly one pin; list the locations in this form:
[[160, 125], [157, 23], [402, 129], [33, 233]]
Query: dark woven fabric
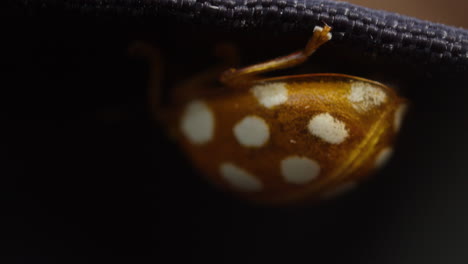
[[387, 32]]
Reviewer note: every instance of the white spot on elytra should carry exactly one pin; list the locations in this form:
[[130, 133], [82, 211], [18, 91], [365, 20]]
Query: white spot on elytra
[[399, 114], [339, 190], [299, 170], [252, 131], [317, 28], [383, 157], [365, 96], [239, 178], [270, 94], [328, 128], [197, 122]]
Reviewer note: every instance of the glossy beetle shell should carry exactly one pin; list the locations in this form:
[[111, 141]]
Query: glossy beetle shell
[[298, 138]]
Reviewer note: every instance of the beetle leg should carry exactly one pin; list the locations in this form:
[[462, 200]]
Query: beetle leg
[[198, 85], [201, 84], [155, 62], [229, 57], [241, 77]]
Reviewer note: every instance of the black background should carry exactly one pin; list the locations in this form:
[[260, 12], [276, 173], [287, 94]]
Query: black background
[[89, 177]]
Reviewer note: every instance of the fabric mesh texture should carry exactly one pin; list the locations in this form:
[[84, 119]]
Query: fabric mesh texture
[[387, 32]]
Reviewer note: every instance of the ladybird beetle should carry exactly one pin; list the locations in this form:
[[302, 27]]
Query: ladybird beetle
[[285, 139]]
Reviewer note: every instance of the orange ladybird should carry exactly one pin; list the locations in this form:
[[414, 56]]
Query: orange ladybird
[[286, 139]]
